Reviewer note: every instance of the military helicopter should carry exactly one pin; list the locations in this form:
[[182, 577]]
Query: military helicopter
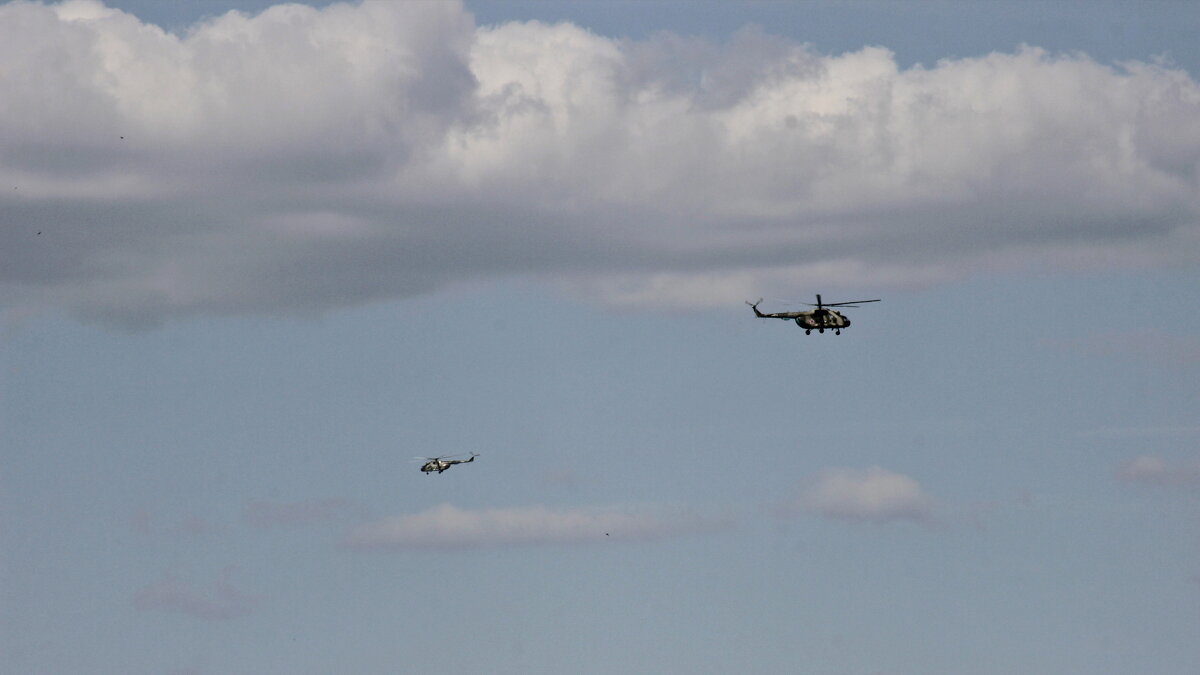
[[810, 319], [440, 464]]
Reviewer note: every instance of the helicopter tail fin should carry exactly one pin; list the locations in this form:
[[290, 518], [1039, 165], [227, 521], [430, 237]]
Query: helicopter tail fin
[[754, 306]]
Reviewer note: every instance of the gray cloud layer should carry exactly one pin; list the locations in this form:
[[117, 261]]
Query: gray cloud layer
[[305, 159], [264, 514], [1154, 470], [223, 601], [449, 527]]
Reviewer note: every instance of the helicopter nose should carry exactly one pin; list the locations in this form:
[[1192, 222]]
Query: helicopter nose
[[847, 322]]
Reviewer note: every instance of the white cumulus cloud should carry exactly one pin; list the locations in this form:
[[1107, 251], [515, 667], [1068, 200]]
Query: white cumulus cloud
[[303, 159], [449, 527], [872, 494]]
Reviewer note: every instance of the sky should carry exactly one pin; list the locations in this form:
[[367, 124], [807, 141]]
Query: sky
[[256, 259]]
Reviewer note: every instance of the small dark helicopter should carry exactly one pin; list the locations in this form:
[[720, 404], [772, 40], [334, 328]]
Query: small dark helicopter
[[440, 464], [813, 319]]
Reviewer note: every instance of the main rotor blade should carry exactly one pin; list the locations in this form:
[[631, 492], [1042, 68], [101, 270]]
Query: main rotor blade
[[848, 304]]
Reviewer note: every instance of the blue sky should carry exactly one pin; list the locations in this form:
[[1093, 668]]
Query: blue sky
[[254, 263]]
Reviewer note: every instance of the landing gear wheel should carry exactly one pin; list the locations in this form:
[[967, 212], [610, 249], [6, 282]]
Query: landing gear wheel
[[807, 331]]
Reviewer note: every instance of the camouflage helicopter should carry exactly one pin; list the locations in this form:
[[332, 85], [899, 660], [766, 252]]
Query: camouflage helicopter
[[810, 319], [440, 464]]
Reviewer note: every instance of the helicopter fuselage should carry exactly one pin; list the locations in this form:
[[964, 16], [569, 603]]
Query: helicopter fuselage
[[435, 465], [813, 319], [439, 465], [822, 318]]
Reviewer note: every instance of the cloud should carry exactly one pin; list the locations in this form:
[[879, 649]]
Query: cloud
[[223, 601], [305, 159], [449, 527], [1153, 470], [1142, 432], [282, 514], [143, 522], [1152, 345], [874, 494]]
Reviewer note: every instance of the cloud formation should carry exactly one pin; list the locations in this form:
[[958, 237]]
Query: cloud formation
[[874, 494], [304, 159], [265, 514], [171, 594], [1154, 470], [143, 522], [449, 527], [1151, 345]]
